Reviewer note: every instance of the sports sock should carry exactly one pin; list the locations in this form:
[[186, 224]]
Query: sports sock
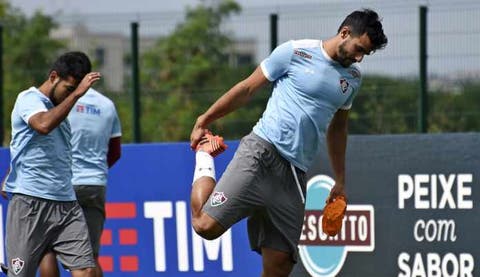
[[204, 166]]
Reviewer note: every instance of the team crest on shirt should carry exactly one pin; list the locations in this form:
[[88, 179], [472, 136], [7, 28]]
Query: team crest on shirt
[[17, 265], [218, 198], [344, 85]]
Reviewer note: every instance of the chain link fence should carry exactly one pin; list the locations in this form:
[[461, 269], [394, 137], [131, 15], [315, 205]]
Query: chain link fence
[[387, 102]]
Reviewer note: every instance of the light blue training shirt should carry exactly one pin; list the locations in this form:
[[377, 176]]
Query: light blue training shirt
[[309, 87], [40, 165], [94, 121]]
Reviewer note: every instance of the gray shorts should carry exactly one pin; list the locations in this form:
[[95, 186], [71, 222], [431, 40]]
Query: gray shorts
[[92, 201], [36, 225], [263, 186]]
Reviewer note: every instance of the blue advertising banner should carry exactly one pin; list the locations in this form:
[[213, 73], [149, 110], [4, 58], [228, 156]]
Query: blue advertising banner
[[412, 209], [412, 212], [148, 230]]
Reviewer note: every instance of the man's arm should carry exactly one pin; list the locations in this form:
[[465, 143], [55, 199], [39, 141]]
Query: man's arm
[[114, 151], [3, 193], [45, 122], [236, 97], [337, 144]]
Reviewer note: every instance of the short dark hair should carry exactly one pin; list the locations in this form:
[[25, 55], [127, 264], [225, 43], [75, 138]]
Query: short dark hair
[[366, 21], [75, 64]]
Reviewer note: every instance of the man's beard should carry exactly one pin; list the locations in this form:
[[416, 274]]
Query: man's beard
[[343, 57], [52, 95]]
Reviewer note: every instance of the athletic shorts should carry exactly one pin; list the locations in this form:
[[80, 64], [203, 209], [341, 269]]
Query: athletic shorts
[[92, 201], [36, 225], [262, 185]]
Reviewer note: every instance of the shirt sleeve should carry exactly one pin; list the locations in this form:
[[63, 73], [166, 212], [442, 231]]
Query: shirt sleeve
[[29, 104], [116, 127], [348, 104], [277, 64]]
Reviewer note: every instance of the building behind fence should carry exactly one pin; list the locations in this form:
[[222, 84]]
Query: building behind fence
[[453, 36]]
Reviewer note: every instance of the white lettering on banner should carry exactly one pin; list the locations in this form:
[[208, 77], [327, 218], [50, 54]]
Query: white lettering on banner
[[423, 188], [435, 230], [355, 228], [158, 211], [212, 247], [182, 238], [2, 246], [450, 265], [464, 191]]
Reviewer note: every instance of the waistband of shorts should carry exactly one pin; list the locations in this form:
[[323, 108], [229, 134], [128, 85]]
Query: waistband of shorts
[[264, 142], [271, 147], [22, 195]]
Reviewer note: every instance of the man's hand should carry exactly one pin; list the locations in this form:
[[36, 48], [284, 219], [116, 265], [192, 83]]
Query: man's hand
[[196, 136], [86, 83], [337, 190]]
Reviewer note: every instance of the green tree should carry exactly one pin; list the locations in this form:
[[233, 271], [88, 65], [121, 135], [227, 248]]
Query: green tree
[[385, 105], [388, 105], [186, 71], [455, 111], [3, 6], [28, 54]]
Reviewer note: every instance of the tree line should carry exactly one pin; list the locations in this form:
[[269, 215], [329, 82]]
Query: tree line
[[186, 71]]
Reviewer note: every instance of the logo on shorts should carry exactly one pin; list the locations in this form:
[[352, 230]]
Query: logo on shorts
[[218, 198], [323, 256], [17, 265]]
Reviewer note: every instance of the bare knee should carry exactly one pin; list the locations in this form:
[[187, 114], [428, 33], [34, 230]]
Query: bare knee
[[207, 227], [98, 270], [276, 263], [280, 270], [48, 265], [84, 272]]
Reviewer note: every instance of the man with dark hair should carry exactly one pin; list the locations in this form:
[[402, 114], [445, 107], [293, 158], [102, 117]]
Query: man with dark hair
[[43, 213], [96, 146], [315, 83]]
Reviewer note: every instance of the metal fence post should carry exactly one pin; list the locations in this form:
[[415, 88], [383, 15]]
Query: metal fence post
[[423, 99], [273, 31], [135, 85]]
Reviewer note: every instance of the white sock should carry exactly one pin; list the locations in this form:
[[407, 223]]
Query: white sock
[[204, 166]]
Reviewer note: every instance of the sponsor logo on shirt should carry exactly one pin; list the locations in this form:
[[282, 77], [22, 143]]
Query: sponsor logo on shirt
[[309, 71], [302, 54], [88, 109]]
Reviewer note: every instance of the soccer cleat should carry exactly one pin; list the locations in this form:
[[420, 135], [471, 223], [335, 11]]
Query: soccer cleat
[[213, 145], [333, 214]]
